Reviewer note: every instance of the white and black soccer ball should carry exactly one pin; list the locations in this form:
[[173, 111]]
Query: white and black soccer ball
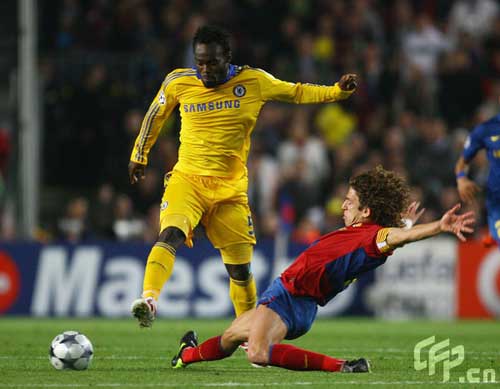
[[71, 350]]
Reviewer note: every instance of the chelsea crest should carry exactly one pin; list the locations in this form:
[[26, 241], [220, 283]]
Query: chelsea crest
[[239, 90]]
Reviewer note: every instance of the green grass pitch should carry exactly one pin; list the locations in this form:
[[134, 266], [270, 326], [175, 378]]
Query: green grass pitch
[[128, 357]]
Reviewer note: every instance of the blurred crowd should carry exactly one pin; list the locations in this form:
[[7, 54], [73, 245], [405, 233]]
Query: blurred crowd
[[429, 71]]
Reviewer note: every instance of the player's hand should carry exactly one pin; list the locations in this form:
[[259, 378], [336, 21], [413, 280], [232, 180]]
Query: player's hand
[[467, 189], [413, 213], [348, 82], [135, 171], [457, 224]]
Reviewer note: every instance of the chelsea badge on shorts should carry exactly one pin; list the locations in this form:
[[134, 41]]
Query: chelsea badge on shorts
[[239, 90]]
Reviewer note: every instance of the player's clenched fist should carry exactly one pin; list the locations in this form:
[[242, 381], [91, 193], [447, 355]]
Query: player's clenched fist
[[348, 82], [135, 171]]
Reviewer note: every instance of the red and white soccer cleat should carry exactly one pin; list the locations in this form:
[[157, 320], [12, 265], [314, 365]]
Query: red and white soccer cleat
[[244, 347]]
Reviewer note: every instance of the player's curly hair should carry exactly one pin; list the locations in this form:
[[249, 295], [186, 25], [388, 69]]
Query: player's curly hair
[[213, 34], [385, 193]]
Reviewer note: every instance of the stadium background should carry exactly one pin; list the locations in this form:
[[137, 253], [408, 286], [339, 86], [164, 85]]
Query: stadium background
[[430, 71]]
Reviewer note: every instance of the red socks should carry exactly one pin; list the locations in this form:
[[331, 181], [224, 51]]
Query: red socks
[[209, 350], [294, 358], [282, 355]]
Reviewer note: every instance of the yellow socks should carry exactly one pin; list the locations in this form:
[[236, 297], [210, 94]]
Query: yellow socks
[[158, 269], [243, 294]]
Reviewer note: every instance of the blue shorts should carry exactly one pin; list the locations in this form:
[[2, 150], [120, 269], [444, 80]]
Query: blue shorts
[[298, 313], [493, 211]]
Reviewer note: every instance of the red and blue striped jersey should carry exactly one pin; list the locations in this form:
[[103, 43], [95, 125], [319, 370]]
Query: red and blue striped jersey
[[334, 261]]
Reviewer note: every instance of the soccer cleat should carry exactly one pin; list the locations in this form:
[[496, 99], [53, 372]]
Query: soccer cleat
[[144, 310], [257, 366], [190, 339], [360, 365]]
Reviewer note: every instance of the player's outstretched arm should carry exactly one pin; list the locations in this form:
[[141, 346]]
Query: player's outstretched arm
[[273, 89], [457, 224]]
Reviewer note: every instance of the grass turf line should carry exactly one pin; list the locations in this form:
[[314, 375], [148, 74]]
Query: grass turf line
[[126, 356]]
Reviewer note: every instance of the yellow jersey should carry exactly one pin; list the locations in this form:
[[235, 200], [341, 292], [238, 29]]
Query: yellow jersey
[[216, 123]]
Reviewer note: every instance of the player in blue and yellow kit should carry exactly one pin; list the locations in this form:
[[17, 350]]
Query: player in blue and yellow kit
[[373, 209], [484, 136], [219, 104]]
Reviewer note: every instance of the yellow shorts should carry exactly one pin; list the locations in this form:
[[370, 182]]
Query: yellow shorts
[[220, 204]]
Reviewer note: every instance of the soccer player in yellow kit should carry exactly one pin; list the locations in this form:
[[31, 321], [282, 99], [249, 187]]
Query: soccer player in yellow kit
[[219, 104]]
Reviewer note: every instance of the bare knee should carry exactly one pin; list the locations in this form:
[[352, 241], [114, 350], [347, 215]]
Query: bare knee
[[238, 272], [258, 355], [172, 236]]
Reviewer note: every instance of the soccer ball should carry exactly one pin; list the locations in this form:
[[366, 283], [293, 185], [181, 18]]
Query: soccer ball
[[71, 350]]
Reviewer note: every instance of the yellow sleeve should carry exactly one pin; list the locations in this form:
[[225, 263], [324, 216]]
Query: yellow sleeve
[[274, 89], [381, 241], [159, 110]]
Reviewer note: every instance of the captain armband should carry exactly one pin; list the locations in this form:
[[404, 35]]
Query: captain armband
[[381, 241]]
